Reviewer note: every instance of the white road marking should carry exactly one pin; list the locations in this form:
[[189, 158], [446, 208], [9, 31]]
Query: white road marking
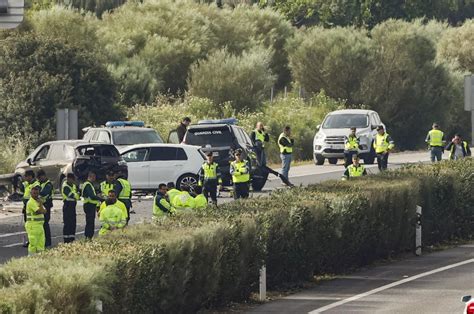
[[389, 286], [55, 237], [5, 235]]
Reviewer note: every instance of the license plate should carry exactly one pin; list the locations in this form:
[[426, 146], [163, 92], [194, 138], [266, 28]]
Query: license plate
[[336, 146]]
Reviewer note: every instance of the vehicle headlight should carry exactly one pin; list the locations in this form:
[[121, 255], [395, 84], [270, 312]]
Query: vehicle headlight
[[319, 136]]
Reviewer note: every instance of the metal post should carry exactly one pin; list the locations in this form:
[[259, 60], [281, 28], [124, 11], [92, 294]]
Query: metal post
[[418, 231], [271, 95], [285, 91], [66, 121], [263, 284]]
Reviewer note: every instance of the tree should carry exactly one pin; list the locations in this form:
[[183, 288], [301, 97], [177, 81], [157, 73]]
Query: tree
[[335, 60], [242, 80], [39, 74], [457, 45]]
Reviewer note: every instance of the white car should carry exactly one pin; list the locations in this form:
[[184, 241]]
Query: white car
[[152, 164]]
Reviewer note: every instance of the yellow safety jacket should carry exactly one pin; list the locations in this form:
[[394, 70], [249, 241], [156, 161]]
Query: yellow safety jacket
[[436, 138], [27, 188], [183, 200], [50, 195], [118, 204], [284, 149], [352, 143], [200, 201], [72, 196], [112, 217], [356, 171], [161, 206], [260, 136], [88, 200], [209, 172], [126, 192], [453, 149], [31, 208], [240, 171], [382, 143], [105, 187]]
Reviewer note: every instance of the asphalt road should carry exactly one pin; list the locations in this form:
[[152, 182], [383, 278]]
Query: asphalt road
[[12, 232], [432, 283]]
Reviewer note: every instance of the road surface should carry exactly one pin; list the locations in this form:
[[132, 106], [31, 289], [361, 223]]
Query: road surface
[[432, 283], [12, 232]]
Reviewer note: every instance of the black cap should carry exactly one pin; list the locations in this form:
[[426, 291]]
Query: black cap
[[238, 152], [380, 127], [209, 154]]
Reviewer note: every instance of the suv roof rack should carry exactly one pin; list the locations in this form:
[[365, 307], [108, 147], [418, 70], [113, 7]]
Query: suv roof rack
[[116, 124], [219, 121]]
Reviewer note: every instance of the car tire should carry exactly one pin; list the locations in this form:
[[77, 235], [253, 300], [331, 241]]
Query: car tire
[[332, 161], [319, 160], [188, 179]]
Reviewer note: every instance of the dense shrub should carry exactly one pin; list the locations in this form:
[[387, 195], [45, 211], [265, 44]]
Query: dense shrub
[[210, 257], [456, 45], [12, 151]]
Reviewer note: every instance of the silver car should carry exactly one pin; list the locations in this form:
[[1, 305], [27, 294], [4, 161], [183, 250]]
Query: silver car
[[328, 142]]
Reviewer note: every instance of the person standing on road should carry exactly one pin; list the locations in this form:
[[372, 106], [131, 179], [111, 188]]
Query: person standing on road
[[46, 195], [125, 195], [70, 196], [112, 214], [286, 143], [161, 205], [383, 144], [182, 128], [355, 169], [210, 178], [259, 138], [436, 141], [351, 147], [458, 148], [240, 171], [28, 183], [34, 225], [109, 184], [91, 203]]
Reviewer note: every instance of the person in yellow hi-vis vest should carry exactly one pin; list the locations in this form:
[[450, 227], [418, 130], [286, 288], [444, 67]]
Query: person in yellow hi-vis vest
[[161, 204], [286, 144], [70, 194], [184, 200], [351, 147], [240, 171], [355, 169], [436, 141], [383, 144], [112, 214], [34, 222]]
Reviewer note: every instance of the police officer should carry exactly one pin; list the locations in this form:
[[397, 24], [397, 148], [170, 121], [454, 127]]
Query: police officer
[[27, 184], [435, 139], [125, 194], [351, 147], [383, 144], [112, 214], [259, 138], [240, 171], [161, 204], [286, 143], [108, 184], [458, 148], [69, 192], [46, 195], [355, 169], [34, 225], [91, 203], [210, 176]]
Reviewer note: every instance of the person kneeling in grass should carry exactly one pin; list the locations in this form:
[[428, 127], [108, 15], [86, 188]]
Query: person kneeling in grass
[[112, 214]]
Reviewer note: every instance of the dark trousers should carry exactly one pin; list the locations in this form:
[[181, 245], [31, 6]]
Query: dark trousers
[[69, 219], [382, 161], [90, 210], [128, 205], [210, 189], [241, 190], [348, 157], [47, 231], [436, 153], [24, 210]]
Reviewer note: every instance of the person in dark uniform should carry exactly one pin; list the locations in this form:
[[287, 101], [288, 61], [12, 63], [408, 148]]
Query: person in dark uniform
[[182, 128], [46, 195]]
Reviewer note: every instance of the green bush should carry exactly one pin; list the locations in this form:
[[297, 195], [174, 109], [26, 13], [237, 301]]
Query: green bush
[[12, 151], [456, 45], [211, 257]]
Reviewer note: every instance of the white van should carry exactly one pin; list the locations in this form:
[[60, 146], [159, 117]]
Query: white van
[[329, 140]]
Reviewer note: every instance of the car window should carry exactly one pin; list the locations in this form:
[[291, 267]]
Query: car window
[[43, 153], [104, 137], [214, 137], [345, 121], [181, 154], [246, 137], [94, 135], [173, 137], [57, 152], [131, 137], [100, 151], [239, 135], [136, 155], [163, 153], [88, 136]]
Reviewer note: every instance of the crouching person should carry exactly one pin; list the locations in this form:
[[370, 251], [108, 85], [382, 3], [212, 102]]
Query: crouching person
[[112, 214], [161, 204]]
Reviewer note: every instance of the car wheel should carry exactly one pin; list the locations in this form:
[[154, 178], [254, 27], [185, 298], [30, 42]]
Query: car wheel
[[319, 160], [332, 161], [190, 180]]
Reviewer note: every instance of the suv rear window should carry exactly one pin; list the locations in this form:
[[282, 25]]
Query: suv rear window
[[102, 151], [216, 137], [129, 137]]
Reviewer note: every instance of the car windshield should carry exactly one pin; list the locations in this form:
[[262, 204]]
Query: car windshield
[[345, 121], [98, 151], [129, 137], [215, 137]]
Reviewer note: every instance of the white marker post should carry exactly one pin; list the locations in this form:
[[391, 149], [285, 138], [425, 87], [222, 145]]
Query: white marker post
[[263, 284], [418, 231]]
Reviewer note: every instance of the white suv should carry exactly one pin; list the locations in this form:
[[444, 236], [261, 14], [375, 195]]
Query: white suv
[[329, 140], [152, 164]]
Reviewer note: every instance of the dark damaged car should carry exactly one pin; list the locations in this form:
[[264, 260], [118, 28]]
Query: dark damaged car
[[58, 158]]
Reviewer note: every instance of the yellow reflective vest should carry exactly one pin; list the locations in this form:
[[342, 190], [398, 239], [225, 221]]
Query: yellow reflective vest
[[72, 195], [435, 138], [352, 143], [240, 171], [118, 204], [27, 186], [112, 217], [285, 149], [383, 143]]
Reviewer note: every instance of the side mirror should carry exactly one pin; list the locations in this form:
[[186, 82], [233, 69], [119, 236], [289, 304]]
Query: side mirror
[[373, 127], [466, 298], [318, 126], [28, 161]]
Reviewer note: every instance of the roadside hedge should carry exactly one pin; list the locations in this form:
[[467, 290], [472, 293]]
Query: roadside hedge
[[212, 257]]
